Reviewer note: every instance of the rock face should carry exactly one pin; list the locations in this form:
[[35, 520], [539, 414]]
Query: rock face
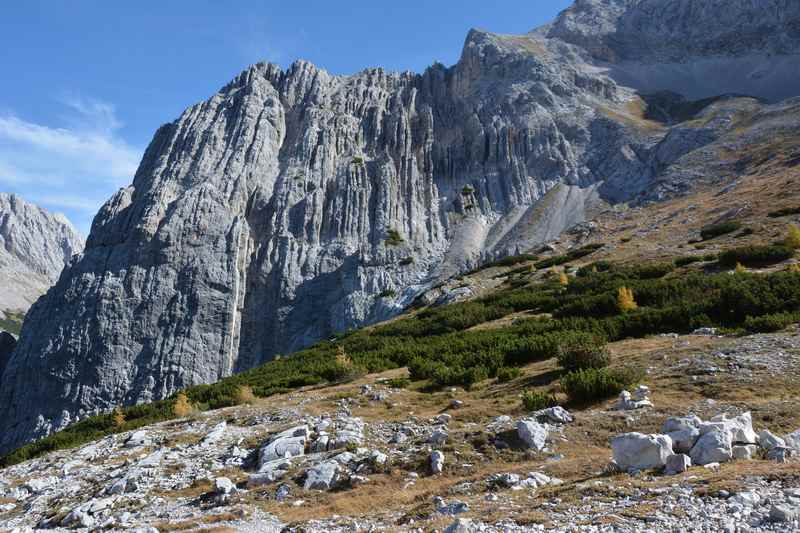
[[275, 213], [34, 247], [7, 344]]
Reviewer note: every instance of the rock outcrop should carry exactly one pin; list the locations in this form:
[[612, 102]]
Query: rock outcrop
[[276, 212], [34, 247]]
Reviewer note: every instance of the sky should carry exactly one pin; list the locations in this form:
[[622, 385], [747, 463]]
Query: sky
[[87, 82]]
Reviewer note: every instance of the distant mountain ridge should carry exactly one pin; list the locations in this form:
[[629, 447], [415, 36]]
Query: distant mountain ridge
[[294, 204], [34, 247]]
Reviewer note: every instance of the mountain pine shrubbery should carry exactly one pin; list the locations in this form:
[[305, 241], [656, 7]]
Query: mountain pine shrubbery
[[438, 345]]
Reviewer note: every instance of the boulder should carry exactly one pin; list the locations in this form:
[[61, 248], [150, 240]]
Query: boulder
[[627, 402], [322, 476], [436, 461], [533, 434], [740, 428], [349, 431], [793, 440], [712, 447], [780, 454], [684, 440], [783, 513], [438, 437], [744, 451], [636, 451], [554, 415], [463, 525], [215, 434], [137, 438], [224, 488], [769, 440], [289, 443], [677, 463], [680, 423]]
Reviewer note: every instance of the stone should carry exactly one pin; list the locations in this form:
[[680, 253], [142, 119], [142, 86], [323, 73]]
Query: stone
[[320, 444], [793, 440], [438, 437], [554, 415], [712, 447], [744, 452], [740, 427], [137, 438], [636, 451], [533, 434], [289, 443], [768, 440], [215, 434], [322, 476], [626, 402], [780, 454], [456, 404], [677, 463], [77, 518], [747, 499], [282, 493], [378, 458], [462, 525], [436, 461], [224, 488], [783, 513]]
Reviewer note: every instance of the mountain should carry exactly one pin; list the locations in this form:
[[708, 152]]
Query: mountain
[[34, 247], [294, 204]]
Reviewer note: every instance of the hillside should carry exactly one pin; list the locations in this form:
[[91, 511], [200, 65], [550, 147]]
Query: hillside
[[210, 470]]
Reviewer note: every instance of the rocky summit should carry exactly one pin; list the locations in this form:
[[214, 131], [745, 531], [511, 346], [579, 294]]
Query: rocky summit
[[294, 204], [34, 247]]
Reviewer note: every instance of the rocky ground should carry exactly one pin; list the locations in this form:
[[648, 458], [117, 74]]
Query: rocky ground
[[367, 456]]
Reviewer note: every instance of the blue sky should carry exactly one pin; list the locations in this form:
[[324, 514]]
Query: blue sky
[[87, 82]]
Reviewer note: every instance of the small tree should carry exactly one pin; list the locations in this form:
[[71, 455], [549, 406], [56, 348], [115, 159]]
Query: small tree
[[793, 237], [740, 269], [625, 300], [563, 279], [118, 417], [244, 395], [794, 268], [182, 406]]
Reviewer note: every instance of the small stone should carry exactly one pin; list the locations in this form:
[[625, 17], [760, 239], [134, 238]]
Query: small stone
[[436, 461], [137, 438], [677, 464], [782, 513]]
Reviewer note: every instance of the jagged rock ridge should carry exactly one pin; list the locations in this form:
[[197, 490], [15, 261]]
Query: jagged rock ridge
[[34, 246], [277, 212]]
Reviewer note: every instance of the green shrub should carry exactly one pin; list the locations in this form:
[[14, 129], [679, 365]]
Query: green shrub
[[406, 261], [572, 255], [393, 237], [688, 260], [358, 161], [467, 190], [723, 228], [770, 323], [594, 384], [785, 212], [388, 293], [535, 400], [754, 256], [508, 373], [398, 383], [581, 352]]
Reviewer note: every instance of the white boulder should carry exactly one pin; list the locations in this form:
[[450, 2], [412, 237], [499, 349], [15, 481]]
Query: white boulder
[[322, 476], [533, 434], [712, 447], [769, 440], [636, 451], [436, 462]]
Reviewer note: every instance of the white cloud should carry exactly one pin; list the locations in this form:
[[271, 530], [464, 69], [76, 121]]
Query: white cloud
[[75, 167]]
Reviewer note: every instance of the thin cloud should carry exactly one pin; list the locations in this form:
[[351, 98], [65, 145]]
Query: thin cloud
[[75, 167]]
